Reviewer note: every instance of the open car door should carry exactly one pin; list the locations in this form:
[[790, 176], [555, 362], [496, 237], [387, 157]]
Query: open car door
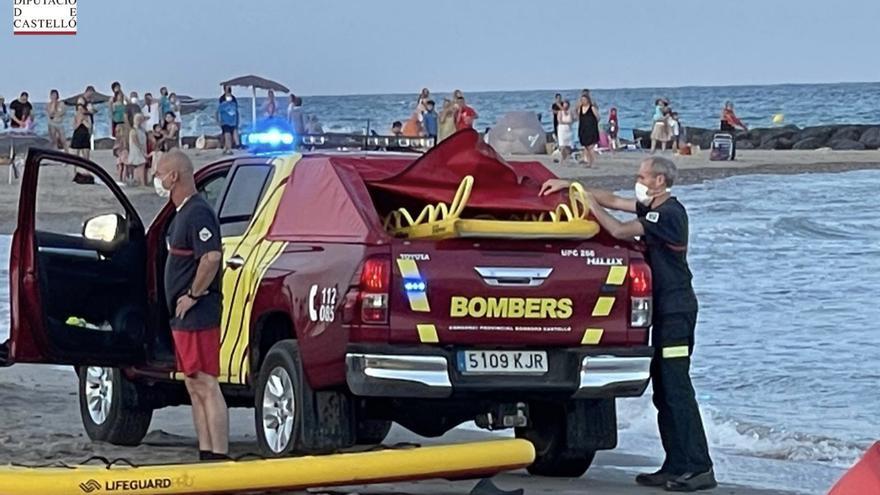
[[78, 289]]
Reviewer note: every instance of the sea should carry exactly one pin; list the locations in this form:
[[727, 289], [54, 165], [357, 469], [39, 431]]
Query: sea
[[799, 104], [786, 365]]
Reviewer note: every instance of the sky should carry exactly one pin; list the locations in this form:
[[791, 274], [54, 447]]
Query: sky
[[386, 46]]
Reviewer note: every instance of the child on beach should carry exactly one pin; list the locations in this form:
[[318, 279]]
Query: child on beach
[[429, 119], [675, 130], [613, 130], [137, 153]]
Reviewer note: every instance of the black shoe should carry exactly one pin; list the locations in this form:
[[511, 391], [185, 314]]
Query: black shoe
[[691, 482], [657, 478], [205, 455]]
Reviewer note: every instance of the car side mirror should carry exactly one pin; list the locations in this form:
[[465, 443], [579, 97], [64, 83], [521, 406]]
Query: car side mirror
[[107, 228]]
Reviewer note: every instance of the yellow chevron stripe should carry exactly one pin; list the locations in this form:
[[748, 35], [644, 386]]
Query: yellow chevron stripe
[[408, 268], [428, 333], [616, 275], [603, 306], [592, 336]]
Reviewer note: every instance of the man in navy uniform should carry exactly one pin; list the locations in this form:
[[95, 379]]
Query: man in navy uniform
[[192, 291], [663, 224]]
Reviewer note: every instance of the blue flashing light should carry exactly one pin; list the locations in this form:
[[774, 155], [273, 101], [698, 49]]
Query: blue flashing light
[[272, 138], [415, 285]]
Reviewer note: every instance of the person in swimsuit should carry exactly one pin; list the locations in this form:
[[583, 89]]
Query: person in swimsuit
[[588, 129], [136, 168], [613, 130], [81, 141], [271, 107], [55, 112], [171, 132]]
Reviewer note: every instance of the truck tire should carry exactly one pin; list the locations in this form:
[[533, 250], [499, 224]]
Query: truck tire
[[547, 431], [292, 418], [372, 431], [111, 407]]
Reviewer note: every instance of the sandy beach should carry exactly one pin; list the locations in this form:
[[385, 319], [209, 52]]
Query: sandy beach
[[40, 425], [63, 205]]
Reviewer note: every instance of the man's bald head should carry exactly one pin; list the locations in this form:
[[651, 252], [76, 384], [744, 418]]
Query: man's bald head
[[177, 161], [175, 171]]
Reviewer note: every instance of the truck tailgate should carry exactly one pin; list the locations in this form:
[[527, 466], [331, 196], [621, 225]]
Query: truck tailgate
[[502, 293]]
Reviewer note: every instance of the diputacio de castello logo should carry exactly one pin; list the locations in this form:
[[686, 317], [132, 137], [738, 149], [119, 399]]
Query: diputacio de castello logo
[[44, 17]]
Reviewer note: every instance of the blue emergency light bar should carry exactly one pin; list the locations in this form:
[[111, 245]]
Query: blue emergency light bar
[[270, 138]]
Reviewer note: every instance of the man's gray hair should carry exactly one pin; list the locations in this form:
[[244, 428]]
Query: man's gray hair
[[666, 168]]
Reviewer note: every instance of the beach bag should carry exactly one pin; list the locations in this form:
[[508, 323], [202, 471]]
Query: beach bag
[[722, 147]]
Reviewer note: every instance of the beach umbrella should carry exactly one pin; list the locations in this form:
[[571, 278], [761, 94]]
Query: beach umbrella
[[255, 83], [97, 98]]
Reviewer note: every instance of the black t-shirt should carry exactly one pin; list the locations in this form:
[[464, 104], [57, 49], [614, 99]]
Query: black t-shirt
[[194, 232], [666, 235], [18, 108]]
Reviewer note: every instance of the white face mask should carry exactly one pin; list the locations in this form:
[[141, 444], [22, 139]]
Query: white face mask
[[160, 189], [642, 195]]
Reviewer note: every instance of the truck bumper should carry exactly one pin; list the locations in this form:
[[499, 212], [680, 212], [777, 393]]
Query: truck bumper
[[430, 373]]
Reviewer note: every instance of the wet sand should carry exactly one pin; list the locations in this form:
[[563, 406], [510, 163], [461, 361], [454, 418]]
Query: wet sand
[[63, 205], [40, 425]]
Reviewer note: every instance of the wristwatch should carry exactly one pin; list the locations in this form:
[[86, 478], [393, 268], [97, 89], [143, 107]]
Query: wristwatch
[[189, 294]]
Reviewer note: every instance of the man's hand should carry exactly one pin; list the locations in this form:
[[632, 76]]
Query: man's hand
[[553, 186], [184, 304]]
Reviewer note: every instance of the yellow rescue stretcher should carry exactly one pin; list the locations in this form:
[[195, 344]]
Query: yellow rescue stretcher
[[442, 221], [468, 460]]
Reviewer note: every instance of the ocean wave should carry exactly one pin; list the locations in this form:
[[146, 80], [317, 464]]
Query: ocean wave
[[744, 438], [808, 228]]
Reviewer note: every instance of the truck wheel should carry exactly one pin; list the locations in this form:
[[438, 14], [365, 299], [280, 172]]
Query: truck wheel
[[547, 432], [372, 431], [279, 400], [110, 408]]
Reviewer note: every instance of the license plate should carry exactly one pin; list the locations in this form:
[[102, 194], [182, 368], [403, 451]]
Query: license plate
[[503, 362]]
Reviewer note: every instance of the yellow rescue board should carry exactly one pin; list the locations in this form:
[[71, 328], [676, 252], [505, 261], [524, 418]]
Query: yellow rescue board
[[466, 460]]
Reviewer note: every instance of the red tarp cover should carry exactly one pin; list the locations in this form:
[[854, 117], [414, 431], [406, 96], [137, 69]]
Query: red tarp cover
[[328, 197]]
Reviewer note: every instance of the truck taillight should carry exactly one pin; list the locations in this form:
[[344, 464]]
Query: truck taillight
[[641, 302], [374, 288]]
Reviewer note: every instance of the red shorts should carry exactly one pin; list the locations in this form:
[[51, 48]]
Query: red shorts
[[197, 351]]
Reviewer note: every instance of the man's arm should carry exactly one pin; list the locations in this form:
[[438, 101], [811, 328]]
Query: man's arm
[[209, 263], [625, 231], [610, 200], [606, 199]]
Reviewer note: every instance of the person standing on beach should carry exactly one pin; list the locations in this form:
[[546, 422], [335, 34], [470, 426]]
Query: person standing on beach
[[295, 115], [55, 114], [81, 141], [659, 129], [132, 108], [446, 120], [227, 118], [613, 130], [464, 114], [4, 113], [270, 107], [136, 168], [192, 289], [564, 133], [554, 110], [164, 101], [729, 123], [170, 132], [429, 120], [662, 222], [151, 110], [117, 117], [21, 109], [588, 129]]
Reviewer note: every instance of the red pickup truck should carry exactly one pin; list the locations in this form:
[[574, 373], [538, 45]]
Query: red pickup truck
[[359, 290]]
